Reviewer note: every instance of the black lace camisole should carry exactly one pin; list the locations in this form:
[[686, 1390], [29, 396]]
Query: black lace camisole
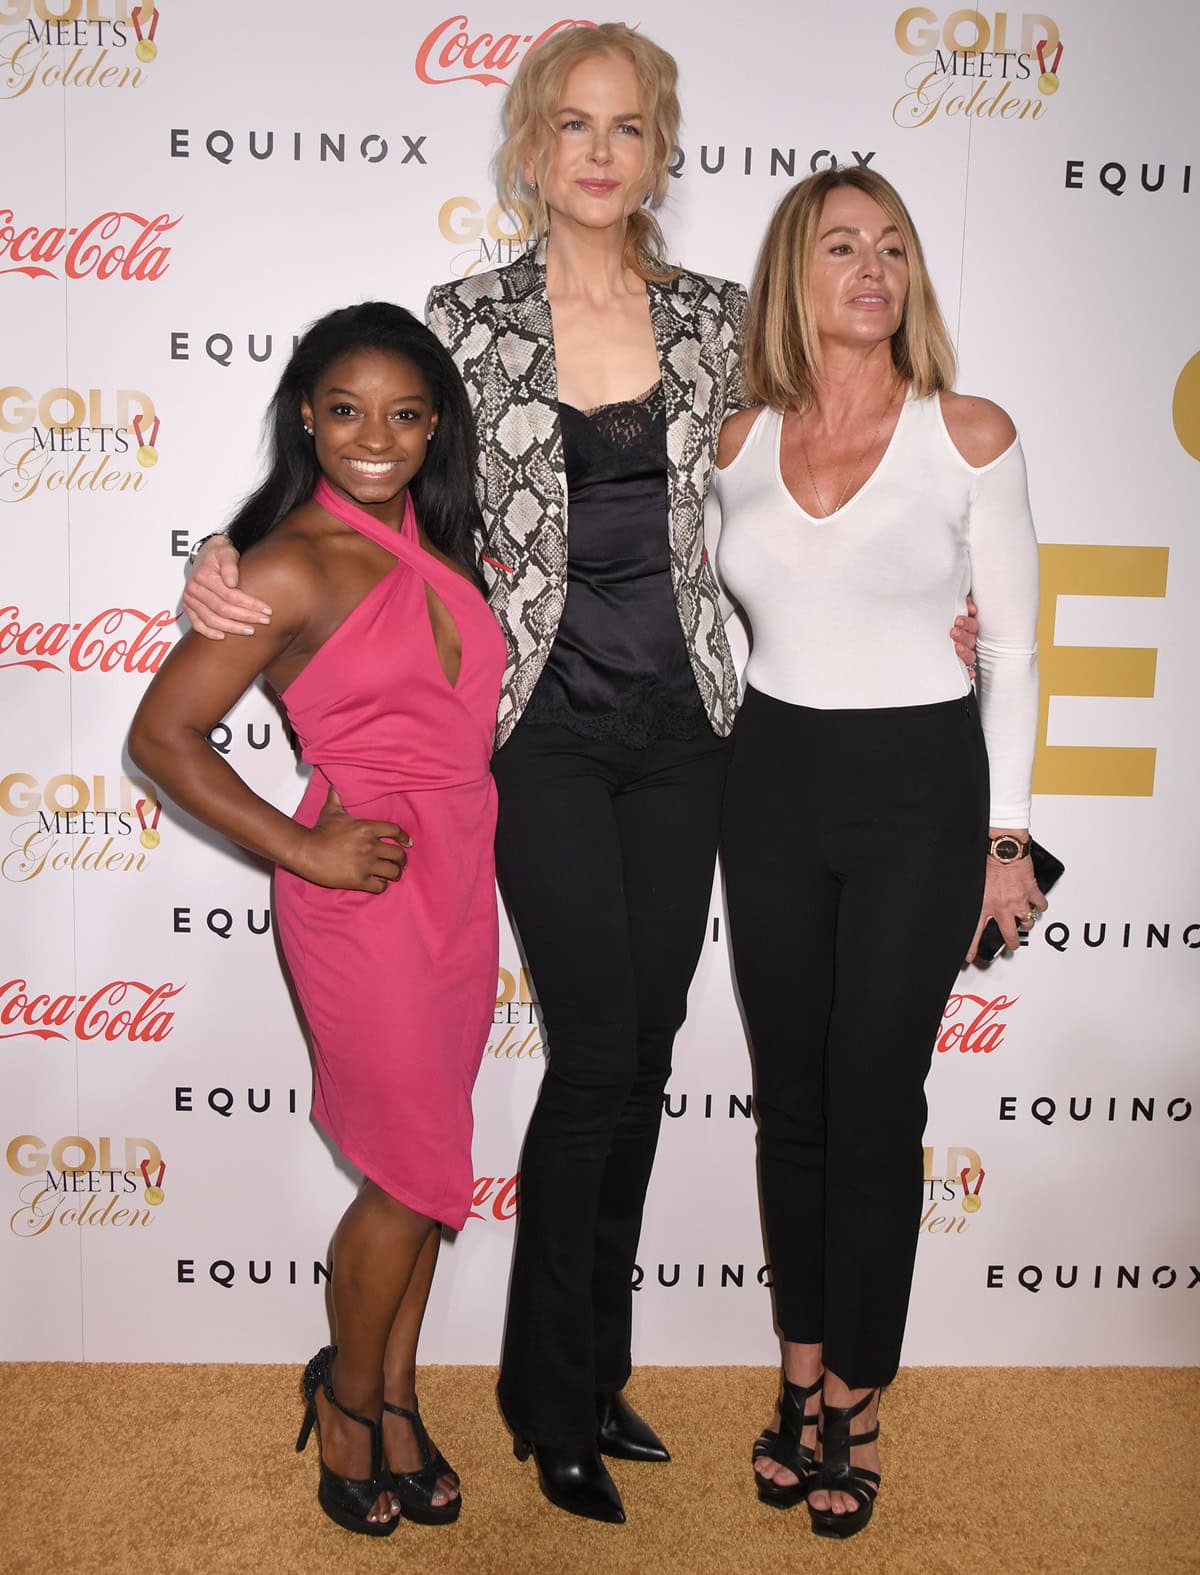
[[619, 667]]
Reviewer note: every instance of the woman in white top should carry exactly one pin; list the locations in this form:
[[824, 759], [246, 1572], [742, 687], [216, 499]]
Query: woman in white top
[[857, 820]]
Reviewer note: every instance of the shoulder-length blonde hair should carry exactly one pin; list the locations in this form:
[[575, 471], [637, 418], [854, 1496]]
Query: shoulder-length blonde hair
[[529, 109], [782, 359]]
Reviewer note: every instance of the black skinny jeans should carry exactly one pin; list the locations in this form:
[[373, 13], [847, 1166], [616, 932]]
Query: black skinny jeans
[[606, 856], [854, 846]]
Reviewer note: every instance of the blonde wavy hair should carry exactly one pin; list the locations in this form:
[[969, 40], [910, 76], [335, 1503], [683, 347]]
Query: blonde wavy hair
[[530, 132], [781, 359]]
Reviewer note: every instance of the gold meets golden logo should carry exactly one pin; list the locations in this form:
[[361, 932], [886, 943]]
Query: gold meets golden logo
[[1109, 671], [76, 823], [975, 64], [516, 1015], [145, 25], [75, 43], [1185, 408], [488, 236], [75, 440], [971, 1201], [961, 1178], [80, 1181]]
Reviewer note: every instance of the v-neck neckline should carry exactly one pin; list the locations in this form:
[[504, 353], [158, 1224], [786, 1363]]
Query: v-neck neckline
[[824, 519]]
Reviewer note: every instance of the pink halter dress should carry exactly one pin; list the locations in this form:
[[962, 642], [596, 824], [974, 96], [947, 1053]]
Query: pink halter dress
[[399, 988]]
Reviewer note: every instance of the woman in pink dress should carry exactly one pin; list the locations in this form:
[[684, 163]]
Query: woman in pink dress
[[383, 650]]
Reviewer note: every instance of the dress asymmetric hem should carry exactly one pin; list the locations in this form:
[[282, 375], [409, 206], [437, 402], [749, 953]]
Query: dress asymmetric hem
[[398, 987]]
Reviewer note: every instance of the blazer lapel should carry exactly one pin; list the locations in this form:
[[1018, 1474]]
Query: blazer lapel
[[525, 334], [679, 349]]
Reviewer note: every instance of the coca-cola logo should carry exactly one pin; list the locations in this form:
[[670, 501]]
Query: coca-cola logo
[[119, 639], [494, 1197], [973, 1024], [452, 52], [122, 1009], [118, 244]]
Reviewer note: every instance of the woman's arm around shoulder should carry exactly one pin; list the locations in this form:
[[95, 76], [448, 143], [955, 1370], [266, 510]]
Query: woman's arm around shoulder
[[202, 678], [979, 430]]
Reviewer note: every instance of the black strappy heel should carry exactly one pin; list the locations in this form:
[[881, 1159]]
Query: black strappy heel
[[837, 1475], [784, 1447], [415, 1489], [346, 1501], [441, 1464]]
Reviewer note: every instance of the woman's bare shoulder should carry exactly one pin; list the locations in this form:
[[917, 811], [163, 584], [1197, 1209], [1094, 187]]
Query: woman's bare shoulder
[[980, 430], [733, 434], [286, 567]]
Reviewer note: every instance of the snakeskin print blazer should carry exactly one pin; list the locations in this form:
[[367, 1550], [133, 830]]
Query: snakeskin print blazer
[[497, 327]]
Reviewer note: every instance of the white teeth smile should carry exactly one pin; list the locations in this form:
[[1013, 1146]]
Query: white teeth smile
[[370, 467]]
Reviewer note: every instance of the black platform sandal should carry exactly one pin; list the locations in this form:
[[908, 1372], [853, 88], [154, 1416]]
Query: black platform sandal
[[346, 1501], [415, 1489], [784, 1447], [837, 1475], [441, 1465]]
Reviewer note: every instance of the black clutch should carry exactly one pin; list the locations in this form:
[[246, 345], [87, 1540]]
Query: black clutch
[[1046, 870]]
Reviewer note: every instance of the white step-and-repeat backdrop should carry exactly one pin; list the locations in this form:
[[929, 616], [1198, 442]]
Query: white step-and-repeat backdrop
[[184, 187]]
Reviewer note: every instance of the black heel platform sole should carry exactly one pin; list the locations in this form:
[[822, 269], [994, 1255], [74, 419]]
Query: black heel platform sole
[[783, 1498], [435, 1515], [349, 1521], [836, 1530]]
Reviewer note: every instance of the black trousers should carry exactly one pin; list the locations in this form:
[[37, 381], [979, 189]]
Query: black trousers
[[855, 851], [606, 856]]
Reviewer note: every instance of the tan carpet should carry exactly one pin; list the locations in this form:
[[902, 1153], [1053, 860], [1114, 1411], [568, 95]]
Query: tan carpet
[[156, 1469]]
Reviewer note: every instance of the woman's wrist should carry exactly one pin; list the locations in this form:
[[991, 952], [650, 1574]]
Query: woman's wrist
[[294, 855], [196, 547], [1008, 844]]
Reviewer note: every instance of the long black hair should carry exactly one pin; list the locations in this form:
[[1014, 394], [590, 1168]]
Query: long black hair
[[443, 490]]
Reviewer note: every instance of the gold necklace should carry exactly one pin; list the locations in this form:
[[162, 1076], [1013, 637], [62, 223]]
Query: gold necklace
[[852, 476]]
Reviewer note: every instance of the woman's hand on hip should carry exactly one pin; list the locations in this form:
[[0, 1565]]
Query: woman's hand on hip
[[1010, 896], [350, 854], [211, 599], [963, 632]]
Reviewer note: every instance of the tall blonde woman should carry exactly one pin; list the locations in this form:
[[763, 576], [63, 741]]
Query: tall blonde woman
[[863, 851], [599, 376]]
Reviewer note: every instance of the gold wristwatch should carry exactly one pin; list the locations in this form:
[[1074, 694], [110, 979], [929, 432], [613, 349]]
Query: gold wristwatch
[[1008, 849]]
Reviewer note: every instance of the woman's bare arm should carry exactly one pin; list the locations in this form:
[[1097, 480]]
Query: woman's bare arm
[[197, 685]]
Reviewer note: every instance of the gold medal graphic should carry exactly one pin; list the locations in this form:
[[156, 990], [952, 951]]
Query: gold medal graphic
[[154, 1191], [971, 1201], [146, 49], [150, 837], [1048, 81], [147, 454]]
